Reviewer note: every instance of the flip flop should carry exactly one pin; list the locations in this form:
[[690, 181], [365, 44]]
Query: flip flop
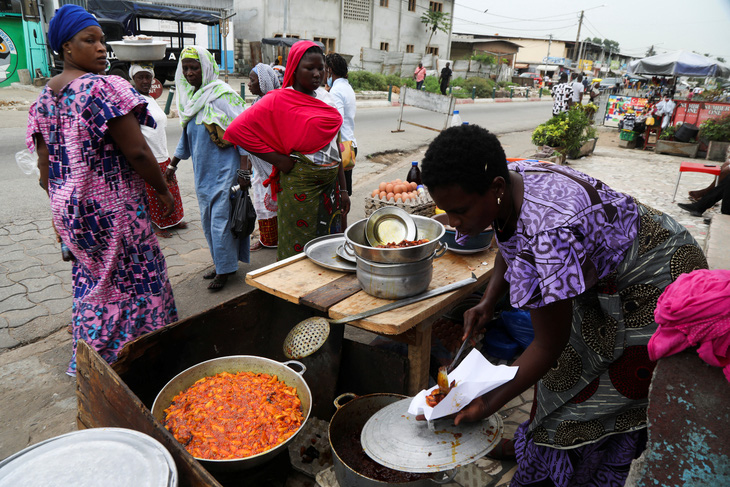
[[504, 451], [163, 233], [256, 246], [210, 274], [182, 225], [218, 283]]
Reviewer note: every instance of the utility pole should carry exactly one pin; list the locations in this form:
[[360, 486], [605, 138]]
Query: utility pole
[[577, 38], [550, 43]]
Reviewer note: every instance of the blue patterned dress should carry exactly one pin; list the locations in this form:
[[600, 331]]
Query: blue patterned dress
[[100, 210]]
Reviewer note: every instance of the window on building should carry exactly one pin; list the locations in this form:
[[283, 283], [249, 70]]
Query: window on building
[[329, 43], [436, 7], [358, 10], [384, 46], [383, 3], [433, 50], [410, 48], [411, 5]]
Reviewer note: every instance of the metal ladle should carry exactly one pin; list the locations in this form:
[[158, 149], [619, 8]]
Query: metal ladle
[[309, 335]]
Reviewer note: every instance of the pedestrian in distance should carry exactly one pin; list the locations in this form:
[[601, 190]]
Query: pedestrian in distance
[[346, 104], [207, 106], [581, 257], [296, 130], [562, 94], [142, 76], [445, 77], [263, 79], [419, 75], [578, 88], [94, 163]]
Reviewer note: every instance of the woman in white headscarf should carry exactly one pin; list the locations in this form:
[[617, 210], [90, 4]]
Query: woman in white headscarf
[[263, 79], [207, 106], [142, 76]]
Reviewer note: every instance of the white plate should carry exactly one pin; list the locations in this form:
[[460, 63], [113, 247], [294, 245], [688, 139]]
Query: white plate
[[468, 251]]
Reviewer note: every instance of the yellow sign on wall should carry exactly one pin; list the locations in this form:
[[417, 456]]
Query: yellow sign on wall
[[585, 64]]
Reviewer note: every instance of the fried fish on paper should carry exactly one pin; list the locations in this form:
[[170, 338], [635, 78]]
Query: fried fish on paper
[[474, 377]]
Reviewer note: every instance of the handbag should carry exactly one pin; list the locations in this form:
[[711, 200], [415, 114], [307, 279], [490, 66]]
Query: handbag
[[243, 214]]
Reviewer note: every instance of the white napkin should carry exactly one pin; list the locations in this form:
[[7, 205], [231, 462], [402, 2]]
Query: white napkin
[[474, 377]]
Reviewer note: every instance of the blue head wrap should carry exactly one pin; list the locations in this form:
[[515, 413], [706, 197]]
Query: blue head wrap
[[68, 21]]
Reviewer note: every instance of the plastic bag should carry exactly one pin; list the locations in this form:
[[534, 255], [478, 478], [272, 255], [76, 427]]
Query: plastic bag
[[243, 214], [650, 121], [27, 163]]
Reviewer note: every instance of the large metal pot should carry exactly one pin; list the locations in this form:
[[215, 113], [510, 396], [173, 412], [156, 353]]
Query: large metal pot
[[234, 364], [395, 281], [356, 243]]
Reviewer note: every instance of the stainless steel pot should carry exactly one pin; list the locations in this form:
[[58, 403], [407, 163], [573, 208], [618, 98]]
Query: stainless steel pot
[[356, 243], [395, 281], [348, 422], [234, 364]]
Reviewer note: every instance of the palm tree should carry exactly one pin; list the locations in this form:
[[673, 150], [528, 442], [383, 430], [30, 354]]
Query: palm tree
[[435, 21]]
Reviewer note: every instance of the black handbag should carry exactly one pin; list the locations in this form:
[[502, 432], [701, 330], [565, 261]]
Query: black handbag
[[243, 214]]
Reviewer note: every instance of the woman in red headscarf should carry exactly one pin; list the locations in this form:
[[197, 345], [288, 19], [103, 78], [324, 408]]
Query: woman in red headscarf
[[295, 130]]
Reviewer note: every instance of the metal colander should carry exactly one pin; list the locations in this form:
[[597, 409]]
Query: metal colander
[[306, 337]]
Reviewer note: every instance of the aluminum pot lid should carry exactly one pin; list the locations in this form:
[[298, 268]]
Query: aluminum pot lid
[[390, 224], [393, 438], [89, 458]]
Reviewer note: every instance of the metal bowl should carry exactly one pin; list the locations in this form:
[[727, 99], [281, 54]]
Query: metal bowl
[[148, 51], [390, 224], [234, 364], [356, 243], [472, 245]]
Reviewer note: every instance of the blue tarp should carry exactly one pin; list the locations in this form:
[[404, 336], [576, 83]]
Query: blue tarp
[[126, 12], [679, 63]]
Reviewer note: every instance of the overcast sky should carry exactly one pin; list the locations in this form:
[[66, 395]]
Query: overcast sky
[[670, 25]]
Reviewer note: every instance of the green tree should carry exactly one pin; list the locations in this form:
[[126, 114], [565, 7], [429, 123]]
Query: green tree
[[435, 21], [610, 45], [651, 51]]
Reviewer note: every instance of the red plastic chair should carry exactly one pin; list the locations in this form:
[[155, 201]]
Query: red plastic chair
[[696, 167]]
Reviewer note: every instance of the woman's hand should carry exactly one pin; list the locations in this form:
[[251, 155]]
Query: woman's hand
[[477, 410], [344, 203], [170, 173], [244, 182], [477, 317], [167, 201]]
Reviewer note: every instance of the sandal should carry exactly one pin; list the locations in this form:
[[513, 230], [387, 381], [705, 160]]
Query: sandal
[[161, 233], [182, 225], [70, 329], [210, 274], [504, 451], [219, 282], [256, 246]]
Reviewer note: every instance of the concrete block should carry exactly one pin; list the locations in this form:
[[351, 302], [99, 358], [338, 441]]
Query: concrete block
[[676, 148], [718, 239]]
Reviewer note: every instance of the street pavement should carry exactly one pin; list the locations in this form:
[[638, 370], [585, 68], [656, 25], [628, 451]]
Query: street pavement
[[37, 398]]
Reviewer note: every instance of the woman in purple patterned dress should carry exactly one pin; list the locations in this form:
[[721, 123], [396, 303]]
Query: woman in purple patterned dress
[[94, 162], [589, 263]]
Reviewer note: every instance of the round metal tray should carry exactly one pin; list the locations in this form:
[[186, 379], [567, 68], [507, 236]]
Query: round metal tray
[[393, 438], [323, 251], [390, 224], [342, 252]]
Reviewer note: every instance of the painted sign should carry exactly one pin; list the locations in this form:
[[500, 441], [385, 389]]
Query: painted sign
[[615, 65], [696, 112], [156, 88], [617, 106], [585, 64], [561, 61], [8, 59]]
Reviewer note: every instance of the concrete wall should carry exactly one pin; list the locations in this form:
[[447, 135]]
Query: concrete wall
[[534, 50]]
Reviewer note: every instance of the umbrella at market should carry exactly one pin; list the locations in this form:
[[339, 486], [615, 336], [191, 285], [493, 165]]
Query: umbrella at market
[[679, 63]]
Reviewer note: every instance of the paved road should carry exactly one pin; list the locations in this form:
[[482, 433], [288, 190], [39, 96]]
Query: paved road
[[20, 197]]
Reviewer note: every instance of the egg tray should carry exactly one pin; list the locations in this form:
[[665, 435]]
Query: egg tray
[[422, 206]]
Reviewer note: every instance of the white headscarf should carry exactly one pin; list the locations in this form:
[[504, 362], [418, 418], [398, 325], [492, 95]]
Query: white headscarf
[[138, 68], [199, 104], [268, 79]]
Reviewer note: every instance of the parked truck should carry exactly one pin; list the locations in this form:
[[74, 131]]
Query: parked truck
[[119, 18]]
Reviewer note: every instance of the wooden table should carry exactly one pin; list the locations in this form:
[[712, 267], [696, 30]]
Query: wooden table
[[337, 294]]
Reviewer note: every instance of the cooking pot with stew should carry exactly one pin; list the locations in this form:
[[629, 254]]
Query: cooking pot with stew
[[235, 364]]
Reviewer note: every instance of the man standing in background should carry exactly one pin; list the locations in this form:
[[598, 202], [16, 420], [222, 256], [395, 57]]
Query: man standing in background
[[578, 88], [562, 94], [419, 75]]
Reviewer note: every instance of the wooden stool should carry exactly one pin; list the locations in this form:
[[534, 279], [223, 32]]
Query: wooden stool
[[651, 130], [696, 167]]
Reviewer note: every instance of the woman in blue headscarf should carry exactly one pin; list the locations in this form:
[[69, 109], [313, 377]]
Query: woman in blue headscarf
[[94, 163]]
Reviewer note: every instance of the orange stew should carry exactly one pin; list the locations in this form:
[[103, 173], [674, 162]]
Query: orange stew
[[229, 416], [402, 244]]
